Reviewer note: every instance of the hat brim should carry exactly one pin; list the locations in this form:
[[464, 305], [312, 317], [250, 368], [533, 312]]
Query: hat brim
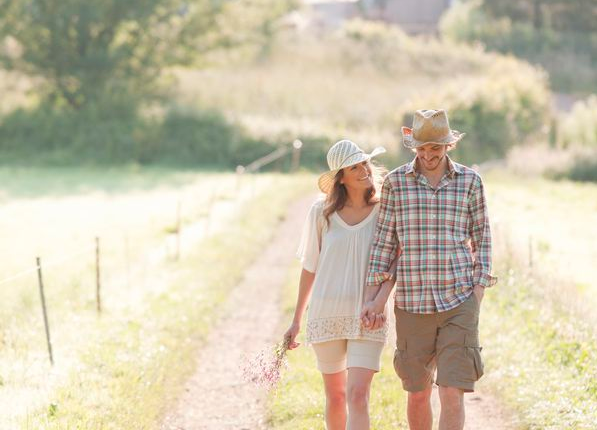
[[326, 180], [411, 143]]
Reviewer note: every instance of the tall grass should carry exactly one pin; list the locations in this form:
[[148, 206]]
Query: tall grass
[[538, 323], [365, 81], [137, 357], [133, 225]]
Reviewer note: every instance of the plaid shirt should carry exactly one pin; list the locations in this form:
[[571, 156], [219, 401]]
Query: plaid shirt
[[441, 236]]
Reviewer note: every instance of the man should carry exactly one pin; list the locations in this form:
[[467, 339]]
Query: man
[[433, 215]]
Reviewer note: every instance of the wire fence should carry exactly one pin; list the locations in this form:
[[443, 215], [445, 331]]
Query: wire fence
[[174, 231]]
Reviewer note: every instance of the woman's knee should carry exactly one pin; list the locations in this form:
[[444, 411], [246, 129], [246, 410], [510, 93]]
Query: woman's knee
[[336, 398], [335, 389], [358, 395]]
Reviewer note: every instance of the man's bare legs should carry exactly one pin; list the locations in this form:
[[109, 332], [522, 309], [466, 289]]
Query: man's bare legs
[[420, 416], [452, 413]]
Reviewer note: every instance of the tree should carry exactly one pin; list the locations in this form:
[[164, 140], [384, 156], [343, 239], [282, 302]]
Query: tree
[[84, 49], [559, 15]]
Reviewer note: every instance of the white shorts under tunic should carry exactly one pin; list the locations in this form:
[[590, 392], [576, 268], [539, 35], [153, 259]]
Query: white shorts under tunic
[[338, 254]]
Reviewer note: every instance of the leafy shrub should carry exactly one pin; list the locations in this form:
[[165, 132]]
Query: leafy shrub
[[584, 170], [102, 134], [497, 110], [569, 56], [579, 127]]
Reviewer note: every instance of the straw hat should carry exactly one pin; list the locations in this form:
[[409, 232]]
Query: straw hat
[[430, 125], [343, 154]]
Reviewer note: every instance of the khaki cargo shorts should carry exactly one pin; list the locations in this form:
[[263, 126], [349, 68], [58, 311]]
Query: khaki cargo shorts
[[448, 341]]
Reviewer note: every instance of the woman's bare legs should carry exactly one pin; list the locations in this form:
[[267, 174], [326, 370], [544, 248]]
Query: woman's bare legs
[[335, 396], [358, 389]]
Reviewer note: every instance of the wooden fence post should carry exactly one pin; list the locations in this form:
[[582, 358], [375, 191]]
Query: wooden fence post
[[240, 170], [178, 224], [296, 154], [44, 310], [97, 276]]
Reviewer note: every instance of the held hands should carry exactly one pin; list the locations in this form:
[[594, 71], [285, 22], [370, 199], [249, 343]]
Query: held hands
[[372, 315], [291, 334]]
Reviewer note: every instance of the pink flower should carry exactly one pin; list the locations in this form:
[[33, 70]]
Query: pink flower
[[265, 368]]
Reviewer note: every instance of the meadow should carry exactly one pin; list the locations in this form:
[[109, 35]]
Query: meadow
[[362, 82], [536, 324], [155, 309]]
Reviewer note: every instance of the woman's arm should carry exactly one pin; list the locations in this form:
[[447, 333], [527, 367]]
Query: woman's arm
[[304, 293]]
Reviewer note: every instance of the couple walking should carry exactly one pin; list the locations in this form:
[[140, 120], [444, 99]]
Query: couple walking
[[427, 234]]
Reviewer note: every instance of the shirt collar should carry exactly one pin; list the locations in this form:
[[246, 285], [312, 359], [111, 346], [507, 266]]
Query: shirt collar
[[453, 168]]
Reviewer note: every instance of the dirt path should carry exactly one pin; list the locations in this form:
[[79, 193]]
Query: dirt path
[[216, 397]]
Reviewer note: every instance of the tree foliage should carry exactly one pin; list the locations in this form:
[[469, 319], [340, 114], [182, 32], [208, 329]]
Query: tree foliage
[[559, 15], [84, 49]]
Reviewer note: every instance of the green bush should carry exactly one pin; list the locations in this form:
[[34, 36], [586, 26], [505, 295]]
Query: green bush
[[582, 169], [189, 137], [117, 133], [579, 127], [497, 110], [569, 56], [101, 133]]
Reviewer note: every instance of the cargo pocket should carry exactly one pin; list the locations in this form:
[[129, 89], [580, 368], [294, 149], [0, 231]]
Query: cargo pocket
[[400, 357], [473, 351]]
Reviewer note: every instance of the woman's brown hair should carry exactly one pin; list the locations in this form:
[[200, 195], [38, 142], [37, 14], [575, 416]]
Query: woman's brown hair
[[337, 197]]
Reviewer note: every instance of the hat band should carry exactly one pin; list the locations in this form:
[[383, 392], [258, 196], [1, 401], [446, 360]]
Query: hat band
[[449, 134]]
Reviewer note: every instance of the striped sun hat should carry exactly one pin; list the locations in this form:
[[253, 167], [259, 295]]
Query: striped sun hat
[[343, 154]]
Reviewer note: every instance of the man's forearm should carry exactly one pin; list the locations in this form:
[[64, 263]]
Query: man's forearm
[[384, 292]]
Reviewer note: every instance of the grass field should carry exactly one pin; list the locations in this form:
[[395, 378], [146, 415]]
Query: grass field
[[539, 322], [537, 331], [152, 319]]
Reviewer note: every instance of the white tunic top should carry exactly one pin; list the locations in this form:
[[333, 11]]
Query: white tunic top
[[338, 254]]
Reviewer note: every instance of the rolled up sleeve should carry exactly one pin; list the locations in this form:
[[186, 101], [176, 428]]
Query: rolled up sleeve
[[385, 241], [480, 233]]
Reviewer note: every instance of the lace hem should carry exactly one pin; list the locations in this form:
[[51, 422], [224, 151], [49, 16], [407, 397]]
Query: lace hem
[[324, 329]]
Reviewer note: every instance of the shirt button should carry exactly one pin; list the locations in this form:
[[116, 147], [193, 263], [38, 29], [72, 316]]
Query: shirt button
[[433, 236], [433, 216], [432, 256]]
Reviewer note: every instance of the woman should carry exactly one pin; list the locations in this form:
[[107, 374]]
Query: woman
[[334, 252]]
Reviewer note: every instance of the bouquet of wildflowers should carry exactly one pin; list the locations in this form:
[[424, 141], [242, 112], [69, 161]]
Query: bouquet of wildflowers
[[265, 369]]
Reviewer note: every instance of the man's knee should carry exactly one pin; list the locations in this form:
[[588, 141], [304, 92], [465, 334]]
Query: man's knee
[[451, 396], [420, 397]]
